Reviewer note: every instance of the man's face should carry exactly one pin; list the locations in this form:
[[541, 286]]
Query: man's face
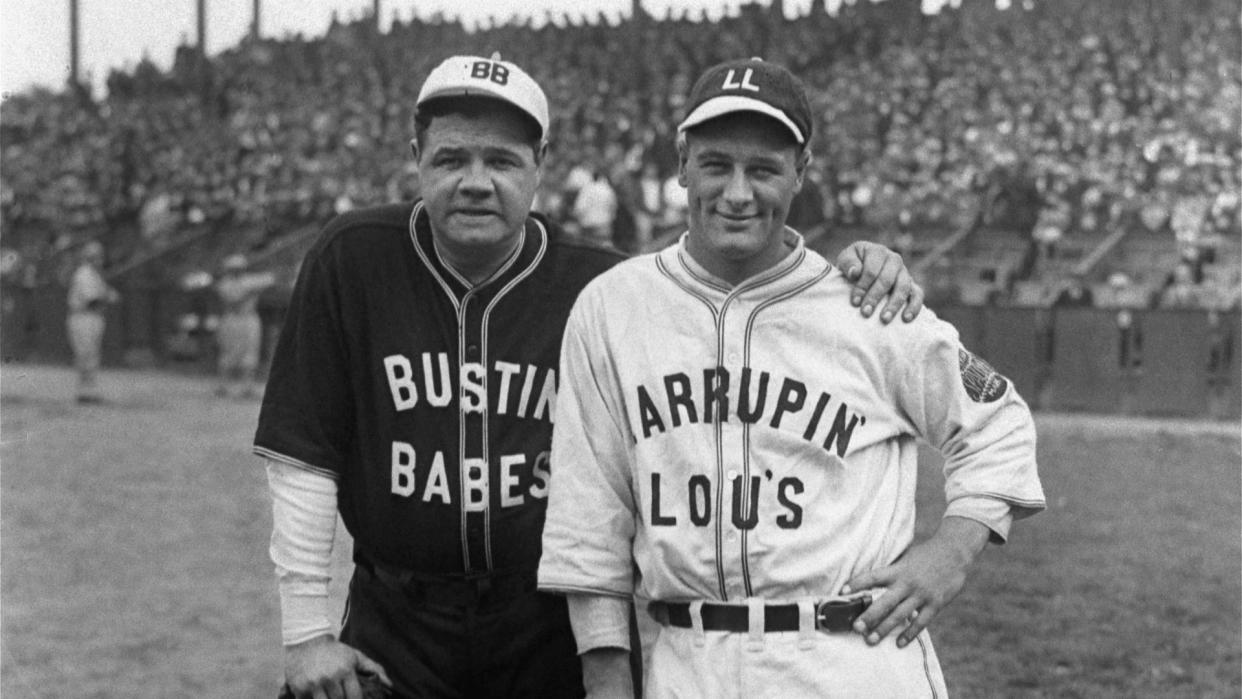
[[478, 175], [740, 172]]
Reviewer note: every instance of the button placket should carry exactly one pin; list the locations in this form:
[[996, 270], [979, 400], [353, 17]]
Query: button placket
[[732, 445], [474, 424]]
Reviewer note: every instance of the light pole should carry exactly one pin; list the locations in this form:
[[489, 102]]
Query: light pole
[[73, 42]]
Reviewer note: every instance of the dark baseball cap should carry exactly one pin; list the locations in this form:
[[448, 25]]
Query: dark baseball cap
[[751, 85]]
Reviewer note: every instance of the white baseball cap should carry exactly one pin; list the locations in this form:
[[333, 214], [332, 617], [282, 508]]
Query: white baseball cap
[[488, 77]]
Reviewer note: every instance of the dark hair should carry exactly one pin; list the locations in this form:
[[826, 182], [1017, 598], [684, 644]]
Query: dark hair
[[473, 107]]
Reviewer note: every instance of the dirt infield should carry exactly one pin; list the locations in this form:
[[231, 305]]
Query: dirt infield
[[133, 541]]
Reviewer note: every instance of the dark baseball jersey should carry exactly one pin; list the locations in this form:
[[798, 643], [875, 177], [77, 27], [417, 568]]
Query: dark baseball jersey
[[428, 400]]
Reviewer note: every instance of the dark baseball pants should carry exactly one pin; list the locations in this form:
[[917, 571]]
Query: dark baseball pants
[[502, 641]]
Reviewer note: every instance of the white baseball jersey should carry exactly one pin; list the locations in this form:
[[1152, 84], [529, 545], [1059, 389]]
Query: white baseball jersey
[[728, 444], [87, 290], [239, 293]]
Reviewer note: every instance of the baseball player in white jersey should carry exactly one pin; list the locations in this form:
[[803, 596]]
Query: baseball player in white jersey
[[88, 296], [752, 473], [241, 332]]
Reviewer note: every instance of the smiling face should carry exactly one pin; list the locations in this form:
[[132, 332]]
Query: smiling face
[[740, 171], [479, 170]]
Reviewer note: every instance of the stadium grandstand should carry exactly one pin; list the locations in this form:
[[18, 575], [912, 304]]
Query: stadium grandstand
[[1052, 153]]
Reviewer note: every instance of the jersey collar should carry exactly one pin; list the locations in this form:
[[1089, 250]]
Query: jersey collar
[[521, 262], [689, 269]]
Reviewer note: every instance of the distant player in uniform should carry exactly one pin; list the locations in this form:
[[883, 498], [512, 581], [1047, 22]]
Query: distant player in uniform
[[412, 390], [240, 334], [750, 469], [89, 296]]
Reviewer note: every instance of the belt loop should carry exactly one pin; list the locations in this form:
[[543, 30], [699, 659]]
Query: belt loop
[[696, 623], [806, 624], [755, 627]]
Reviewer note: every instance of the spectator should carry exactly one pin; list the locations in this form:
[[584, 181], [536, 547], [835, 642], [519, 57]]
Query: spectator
[[1182, 291], [650, 206], [1101, 114], [676, 205], [1122, 293], [806, 211], [595, 209], [1076, 294]]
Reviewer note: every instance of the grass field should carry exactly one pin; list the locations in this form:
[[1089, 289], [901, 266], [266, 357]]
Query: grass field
[[133, 541]]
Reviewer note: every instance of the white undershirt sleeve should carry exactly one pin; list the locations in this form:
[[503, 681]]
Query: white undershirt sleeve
[[303, 529], [599, 621]]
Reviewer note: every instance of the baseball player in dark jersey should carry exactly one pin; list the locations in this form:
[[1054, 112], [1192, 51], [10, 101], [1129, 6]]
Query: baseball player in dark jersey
[[412, 390]]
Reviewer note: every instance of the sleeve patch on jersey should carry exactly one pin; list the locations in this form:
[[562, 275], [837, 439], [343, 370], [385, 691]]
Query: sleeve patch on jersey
[[982, 383]]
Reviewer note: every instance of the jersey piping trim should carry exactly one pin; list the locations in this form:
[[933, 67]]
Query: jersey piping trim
[[460, 307], [449, 268], [782, 269], [296, 463], [472, 291], [927, 670], [750, 327], [717, 429], [486, 321], [663, 267], [504, 266], [705, 281], [1010, 499], [422, 255], [462, 514]]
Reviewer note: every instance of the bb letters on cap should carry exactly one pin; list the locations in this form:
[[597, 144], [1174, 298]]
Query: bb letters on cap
[[487, 70], [730, 82]]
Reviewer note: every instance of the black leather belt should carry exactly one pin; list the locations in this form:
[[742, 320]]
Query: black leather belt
[[453, 590], [834, 615]]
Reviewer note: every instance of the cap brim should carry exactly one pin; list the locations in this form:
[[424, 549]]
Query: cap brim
[[482, 92], [727, 104]]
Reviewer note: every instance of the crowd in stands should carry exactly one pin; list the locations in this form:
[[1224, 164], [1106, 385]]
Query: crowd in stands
[[1053, 119]]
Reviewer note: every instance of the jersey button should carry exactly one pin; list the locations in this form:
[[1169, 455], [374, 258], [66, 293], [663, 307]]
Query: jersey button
[[732, 475], [472, 351], [734, 359]]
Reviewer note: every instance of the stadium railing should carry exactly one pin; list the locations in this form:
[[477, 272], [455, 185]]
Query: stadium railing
[[1181, 363]]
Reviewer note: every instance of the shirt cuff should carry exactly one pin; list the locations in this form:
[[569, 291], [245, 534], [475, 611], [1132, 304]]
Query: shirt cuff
[[303, 616], [991, 512], [599, 621]]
